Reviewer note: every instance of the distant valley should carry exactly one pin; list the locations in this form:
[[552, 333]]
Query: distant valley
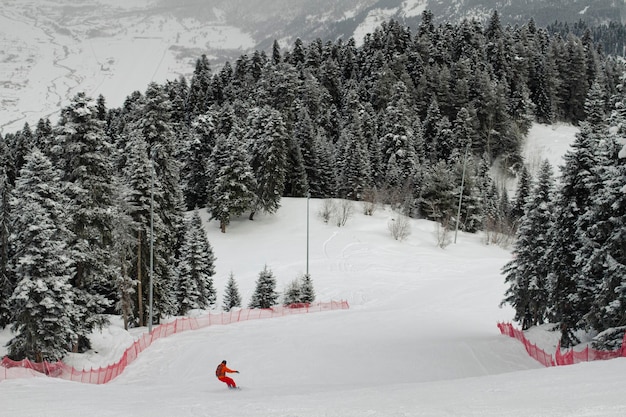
[[52, 49]]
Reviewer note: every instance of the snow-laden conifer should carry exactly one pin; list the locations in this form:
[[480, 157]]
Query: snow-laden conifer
[[266, 139], [601, 261], [231, 190], [195, 157], [355, 172], [154, 126], [307, 292], [265, 295], [572, 201], [526, 275], [7, 284], [232, 298], [84, 155], [44, 314], [196, 268]]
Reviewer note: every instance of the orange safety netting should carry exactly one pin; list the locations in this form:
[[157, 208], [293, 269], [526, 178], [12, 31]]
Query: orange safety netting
[[10, 369], [559, 358]]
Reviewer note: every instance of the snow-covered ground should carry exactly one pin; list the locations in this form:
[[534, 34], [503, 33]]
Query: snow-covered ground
[[374, 19], [420, 338], [547, 142], [52, 49]]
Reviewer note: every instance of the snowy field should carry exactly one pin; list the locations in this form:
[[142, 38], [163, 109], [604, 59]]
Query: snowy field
[[50, 50], [547, 142], [420, 338]]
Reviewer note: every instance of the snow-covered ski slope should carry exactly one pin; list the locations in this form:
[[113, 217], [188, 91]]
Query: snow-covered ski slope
[[420, 338]]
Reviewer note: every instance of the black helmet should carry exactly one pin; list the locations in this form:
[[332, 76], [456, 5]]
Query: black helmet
[[224, 361]]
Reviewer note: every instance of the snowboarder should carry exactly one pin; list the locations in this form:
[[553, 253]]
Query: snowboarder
[[220, 373]]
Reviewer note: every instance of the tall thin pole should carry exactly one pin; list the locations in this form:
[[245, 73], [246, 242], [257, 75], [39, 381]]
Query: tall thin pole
[[458, 213], [151, 291], [308, 196], [139, 284]]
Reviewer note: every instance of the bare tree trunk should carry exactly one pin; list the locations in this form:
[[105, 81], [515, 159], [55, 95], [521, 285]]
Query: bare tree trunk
[[139, 286], [124, 296]]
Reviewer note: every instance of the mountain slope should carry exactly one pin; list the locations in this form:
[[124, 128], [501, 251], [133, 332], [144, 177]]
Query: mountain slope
[[52, 49]]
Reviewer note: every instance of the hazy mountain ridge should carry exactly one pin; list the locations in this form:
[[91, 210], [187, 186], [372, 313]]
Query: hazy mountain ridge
[[594, 12], [543, 12], [285, 20], [335, 21]]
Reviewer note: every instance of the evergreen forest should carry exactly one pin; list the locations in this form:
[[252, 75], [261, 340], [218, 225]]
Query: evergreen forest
[[416, 120]]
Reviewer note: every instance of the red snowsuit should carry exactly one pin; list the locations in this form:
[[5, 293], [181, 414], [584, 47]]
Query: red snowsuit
[[220, 373]]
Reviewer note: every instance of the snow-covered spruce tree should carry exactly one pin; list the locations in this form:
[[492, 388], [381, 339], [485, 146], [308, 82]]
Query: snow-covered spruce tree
[[44, 313], [602, 258], [276, 57], [354, 168], [474, 191], [574, 85], [445, 141], [200, 95], [296, 184], [328, 164], [266, 139], [595, 107], [539, 84], [265, 294], [21, 146], [437, 199], [572, 200], [196, 268], [142, 184], [7, 161], [492, 217], [504, 207], [232, 185], [84, 155], [232, 298], [397, 137], [526, 275], [43, 136], [305, 135], [393, 176], [137, 177], [293, 293], [464, 129], [429, 130], [6, 283], [225, 120], [154, 126], [307, 292], [196, 153], [521, 195], [124, 244]]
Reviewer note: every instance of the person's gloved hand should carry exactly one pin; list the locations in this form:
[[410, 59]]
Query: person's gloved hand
[[236, 372]]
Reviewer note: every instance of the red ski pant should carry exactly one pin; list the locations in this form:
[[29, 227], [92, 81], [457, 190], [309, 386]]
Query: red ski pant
[[228, 381]]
